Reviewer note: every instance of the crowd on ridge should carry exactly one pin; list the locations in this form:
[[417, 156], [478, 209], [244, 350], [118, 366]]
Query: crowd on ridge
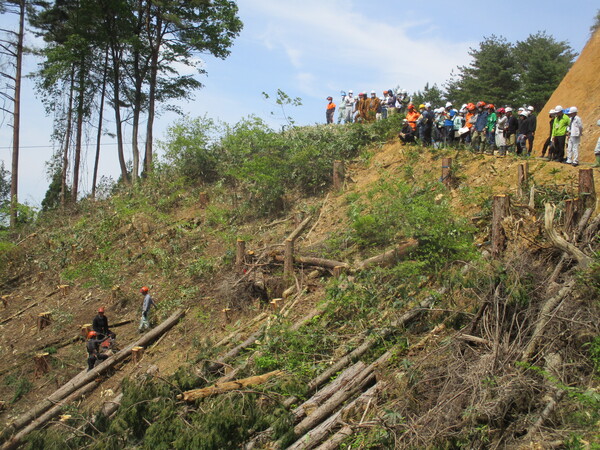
[[482, 126]]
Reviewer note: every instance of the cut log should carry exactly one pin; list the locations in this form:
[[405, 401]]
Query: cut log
[[220, 388], [333, 443], [560, 242], [388, 257], [55, 410], [587, 191], [240, 256], [299, 229], [447, 172], [214, 366], [338, 175], [86, 377], [41, 364], [43, 320], [136, 354], [110, 407], [532, 198], [311, 261], [276, 304], [500, 210], [288, 261], [474, 339], [319, 433]]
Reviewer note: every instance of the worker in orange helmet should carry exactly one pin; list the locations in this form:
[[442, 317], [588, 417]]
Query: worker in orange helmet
[[148, 303], [412, 116], [93, 348], [100, 324], [330, 110]]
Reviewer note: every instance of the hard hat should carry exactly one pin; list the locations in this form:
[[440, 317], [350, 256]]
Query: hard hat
[[470, 106], [464, 106], [350, 91], [411, 105], [530, 108], [399, 91], [491, 106], [521, 109], [501, 111], [427, 105], [404, 120], [329, 98], [342, 93], [523, 113], [385, 92], [91, 334], [558, 109], [421, 106], [373, 92], [448, 104], [144, 290], [551, 112], [404, 91], [508, 109], [573, 109], [481, 104], [101, 309]]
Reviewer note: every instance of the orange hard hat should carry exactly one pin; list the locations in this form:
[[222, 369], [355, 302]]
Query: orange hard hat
[[481, 104], [101, 309], [144, 290], [411, 106], [91, 334], [491, 106], [470, 106]]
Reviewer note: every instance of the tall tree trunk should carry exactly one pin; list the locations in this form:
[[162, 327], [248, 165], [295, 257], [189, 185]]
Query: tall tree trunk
[[14, 183], [100, 117], [80, 108], [116, 57], [152, 93], [67, 142]]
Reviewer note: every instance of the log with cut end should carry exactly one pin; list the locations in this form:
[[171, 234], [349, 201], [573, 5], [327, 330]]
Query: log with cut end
[[389, 257], [41, 363], [220, 388], [299, 229], [334, 441], [312, 261], [86, 377], [136, 354]]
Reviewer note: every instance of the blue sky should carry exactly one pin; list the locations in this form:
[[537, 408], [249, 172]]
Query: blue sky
[[315, 48]]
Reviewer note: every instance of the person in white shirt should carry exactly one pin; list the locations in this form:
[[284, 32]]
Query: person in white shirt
[[574, 133]]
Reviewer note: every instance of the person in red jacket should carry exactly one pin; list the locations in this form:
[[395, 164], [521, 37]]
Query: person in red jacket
[[330, 110]]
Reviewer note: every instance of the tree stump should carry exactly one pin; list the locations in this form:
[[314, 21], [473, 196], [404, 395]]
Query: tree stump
[[145, 228], [572, 209], [522, 179], [338, 271], [203, 199], [226, 312], [136, 354], [41, 364], [44, 320], [587, 192], [500, 210], [85, 329], [338, 175], [288, 261], [5, 299], [447, 172], [240, 254], [275, 303], [64, 289], [114, 291]]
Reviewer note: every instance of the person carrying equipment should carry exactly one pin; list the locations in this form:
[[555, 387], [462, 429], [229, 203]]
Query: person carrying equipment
[[93, 348], [100, 325], [148, 302]]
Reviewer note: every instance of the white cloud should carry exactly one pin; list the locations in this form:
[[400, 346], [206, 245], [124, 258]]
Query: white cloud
[[369, 50]]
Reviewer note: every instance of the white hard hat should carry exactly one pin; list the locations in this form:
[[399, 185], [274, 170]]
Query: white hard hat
[[399, 91], [448, 104], [350, 91], [572, 109], [373, 92], [403, 91], [551, 112], [521, 109], [427, 105], [530, 108], [558, 108], [464, 106], [509, 109]]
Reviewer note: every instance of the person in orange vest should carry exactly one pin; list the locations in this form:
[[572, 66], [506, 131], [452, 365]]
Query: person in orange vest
[[412, 116], [330, 110]]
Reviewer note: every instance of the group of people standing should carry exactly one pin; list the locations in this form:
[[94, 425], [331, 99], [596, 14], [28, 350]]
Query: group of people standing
[[482, 126]]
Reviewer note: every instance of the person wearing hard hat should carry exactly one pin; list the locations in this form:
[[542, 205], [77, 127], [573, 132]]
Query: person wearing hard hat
[[330, 110], [560, 125], [146, 305], [501, 123], [522, 131], [575, 131], [373, 105], [390, 103], [100, 324], [449, 114], [412, 115], [428, 119], [341, 108], [490, 128], [510, 132], [478, 131], [549, 145], [402, 99], [532, 127], [349, 102], [93, 348]]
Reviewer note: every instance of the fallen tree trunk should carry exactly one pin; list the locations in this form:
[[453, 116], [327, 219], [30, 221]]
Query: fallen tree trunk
[[388, 257], [17, 314], [333, 443], [85, 377], [299, 229], [110, 407], [560, 242], [317, 434], [312, 261], [16, 440], [220, 388], [232, 336]]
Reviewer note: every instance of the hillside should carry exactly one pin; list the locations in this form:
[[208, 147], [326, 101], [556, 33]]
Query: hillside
[[581, 88], [471, 351]]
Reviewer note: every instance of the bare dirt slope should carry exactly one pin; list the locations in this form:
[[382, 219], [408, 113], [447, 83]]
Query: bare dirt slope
[[581, 88]]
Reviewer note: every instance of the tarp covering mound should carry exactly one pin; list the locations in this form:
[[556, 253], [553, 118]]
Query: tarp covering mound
[[581, 88]]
